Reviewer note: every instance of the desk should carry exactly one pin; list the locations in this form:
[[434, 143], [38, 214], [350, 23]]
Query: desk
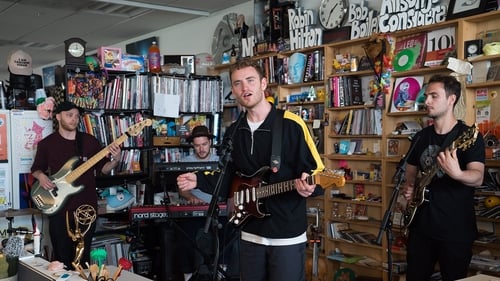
[[35, 269]]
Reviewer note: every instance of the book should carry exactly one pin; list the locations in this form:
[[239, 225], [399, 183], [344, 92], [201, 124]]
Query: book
[[405, 93], [356, 90], [337, 227], [345, 257], [409, 52]]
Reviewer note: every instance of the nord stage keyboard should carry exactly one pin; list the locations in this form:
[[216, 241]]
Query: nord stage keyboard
[[172, 211], [186, 166]]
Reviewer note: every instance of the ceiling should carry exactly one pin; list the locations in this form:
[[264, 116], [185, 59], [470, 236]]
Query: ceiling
[[39, 27]]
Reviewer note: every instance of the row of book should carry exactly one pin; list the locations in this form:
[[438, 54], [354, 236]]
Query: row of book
[[346, 91], [203, 94], [108, 128], [126, 92], [130, 162], [279, 70], [367, 121]]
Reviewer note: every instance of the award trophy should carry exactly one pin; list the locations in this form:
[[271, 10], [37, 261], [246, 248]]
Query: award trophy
[[84, 216]]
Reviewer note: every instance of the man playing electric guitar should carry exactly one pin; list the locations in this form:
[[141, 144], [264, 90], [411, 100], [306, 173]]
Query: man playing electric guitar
[[272, 248], [52, 153], [444, 226]]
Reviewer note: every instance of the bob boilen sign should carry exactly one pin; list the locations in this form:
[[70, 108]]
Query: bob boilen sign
[[363, 18]]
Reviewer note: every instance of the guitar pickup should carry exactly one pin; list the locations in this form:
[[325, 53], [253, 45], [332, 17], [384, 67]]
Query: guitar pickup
[[38, 201]]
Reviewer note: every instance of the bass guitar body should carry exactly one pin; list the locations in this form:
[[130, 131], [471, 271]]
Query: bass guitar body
[[49, 201]]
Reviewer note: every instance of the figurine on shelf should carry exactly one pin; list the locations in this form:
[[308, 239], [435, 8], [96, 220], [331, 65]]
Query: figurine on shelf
[[241, 27]]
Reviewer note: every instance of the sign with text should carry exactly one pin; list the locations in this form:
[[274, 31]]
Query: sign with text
[[303, 30], [363, 18], [396, 15]]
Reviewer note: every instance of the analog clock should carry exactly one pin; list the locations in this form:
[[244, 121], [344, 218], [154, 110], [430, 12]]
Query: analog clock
[[75, 51], [332, 13], [473, 47]]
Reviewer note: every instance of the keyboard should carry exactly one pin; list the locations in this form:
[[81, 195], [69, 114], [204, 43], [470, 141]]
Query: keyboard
[[153, 212]]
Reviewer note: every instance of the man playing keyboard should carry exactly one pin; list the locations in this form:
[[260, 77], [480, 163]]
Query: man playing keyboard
[[201, 139]]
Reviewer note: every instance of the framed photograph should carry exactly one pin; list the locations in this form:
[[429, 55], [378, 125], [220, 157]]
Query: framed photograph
[[463, 8], [392, 147], [189, 62]]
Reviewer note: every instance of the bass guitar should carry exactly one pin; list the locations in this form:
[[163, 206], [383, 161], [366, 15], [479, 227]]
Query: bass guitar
[[50, 201], [464, 141], [248, 190]]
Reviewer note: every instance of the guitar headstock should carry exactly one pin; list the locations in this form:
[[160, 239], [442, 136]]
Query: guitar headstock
[[466, 139], [136, 129], [330, 177]]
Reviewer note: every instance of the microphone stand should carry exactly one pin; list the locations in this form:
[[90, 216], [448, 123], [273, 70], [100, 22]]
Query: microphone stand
[[213, 209], [386, 225]]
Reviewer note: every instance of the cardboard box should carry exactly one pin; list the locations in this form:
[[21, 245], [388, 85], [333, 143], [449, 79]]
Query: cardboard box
[[166, 141], [110, 58], [132, 63]]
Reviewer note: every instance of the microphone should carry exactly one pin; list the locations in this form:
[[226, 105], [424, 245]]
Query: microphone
[[398, 179]]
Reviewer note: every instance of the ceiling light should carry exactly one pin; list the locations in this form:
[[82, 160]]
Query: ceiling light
[[156, 7]]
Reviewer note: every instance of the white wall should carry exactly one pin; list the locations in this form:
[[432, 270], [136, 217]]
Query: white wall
[[192, 37], [195, 36]]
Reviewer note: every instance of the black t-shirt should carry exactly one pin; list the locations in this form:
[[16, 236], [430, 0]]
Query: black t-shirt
[[449, 212]]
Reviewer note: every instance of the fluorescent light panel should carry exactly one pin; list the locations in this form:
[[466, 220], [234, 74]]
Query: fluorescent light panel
[[156, 7]]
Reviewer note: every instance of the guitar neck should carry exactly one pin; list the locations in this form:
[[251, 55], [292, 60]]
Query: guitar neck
[[277, 188], [76, 173]]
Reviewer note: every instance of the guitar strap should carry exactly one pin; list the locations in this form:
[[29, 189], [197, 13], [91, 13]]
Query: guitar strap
[[277, 140], [79, 145], [452, 135]]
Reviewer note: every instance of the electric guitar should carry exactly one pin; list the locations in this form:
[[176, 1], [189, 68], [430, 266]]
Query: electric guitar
[[50, 201], [247, 190], [464, 141]]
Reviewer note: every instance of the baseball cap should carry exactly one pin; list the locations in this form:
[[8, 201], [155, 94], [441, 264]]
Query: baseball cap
[[199, 131], [20, 63], [65, 106]]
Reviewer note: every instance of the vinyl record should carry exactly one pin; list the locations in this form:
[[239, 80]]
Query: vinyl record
[[405, 93], [404, 60]]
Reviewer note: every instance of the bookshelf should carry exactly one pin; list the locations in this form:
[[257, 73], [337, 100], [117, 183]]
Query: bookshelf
[[379, 152]]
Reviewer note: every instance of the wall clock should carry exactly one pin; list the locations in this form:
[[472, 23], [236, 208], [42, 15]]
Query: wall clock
[[75, 51], [331, 13]]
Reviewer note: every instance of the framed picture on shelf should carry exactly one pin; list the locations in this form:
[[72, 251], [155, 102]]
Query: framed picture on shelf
[[405, 93], [392, 147], [463, 8], [297, 109], [188, 61]]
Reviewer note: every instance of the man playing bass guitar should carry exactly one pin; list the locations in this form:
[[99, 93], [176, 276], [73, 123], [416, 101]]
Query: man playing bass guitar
[[52, 153], [443, 227]]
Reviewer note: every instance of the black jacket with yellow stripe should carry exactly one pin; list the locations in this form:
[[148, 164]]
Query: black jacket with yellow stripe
[[250, 152]]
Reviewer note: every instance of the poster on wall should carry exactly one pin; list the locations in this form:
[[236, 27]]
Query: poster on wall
[[5, 180], [27, 130]]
